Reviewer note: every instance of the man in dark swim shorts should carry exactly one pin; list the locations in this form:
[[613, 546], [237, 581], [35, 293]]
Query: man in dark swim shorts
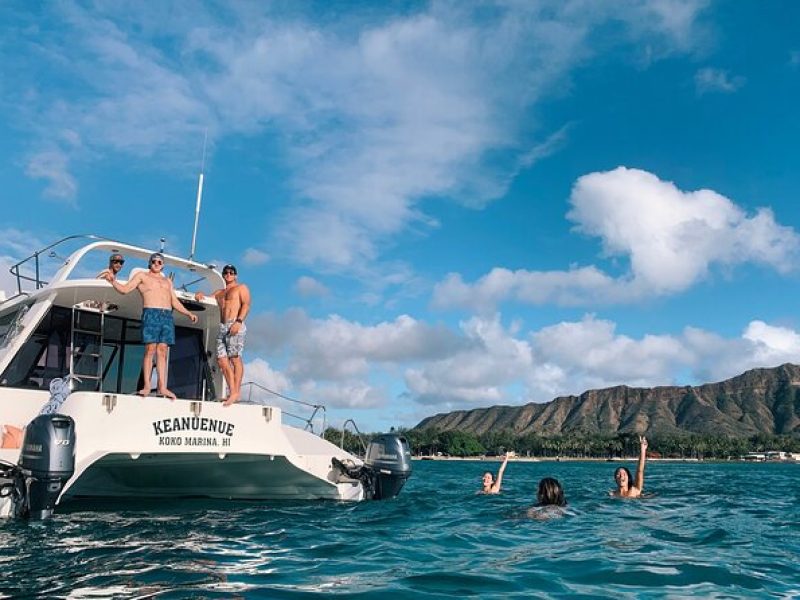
[[158, 327]]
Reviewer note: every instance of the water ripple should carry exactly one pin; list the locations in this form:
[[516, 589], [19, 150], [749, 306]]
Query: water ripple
[[708, 531]]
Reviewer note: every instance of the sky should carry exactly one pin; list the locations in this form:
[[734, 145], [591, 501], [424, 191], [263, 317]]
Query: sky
[[435, 205]]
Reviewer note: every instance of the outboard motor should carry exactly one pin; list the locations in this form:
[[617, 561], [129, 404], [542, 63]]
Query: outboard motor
[[46, 463], [389, 459], [386, 467]]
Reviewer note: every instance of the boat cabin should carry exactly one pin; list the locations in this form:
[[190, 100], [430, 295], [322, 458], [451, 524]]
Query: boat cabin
[[72, 323]]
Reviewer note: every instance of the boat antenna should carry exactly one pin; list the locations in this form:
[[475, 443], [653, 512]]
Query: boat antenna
[[199, 196]]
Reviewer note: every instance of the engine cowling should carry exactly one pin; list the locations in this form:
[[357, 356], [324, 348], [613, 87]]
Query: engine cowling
[[47, 461], [389, 459]]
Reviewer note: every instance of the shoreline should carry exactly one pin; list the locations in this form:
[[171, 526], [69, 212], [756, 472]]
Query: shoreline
[[534, 459]]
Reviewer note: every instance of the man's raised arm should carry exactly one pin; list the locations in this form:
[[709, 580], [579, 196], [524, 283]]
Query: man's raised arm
[[125, 288], [200, 296]]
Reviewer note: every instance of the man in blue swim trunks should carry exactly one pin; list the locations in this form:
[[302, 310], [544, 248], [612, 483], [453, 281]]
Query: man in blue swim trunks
[[158, 327]]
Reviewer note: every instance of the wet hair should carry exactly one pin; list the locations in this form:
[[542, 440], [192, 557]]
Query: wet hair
[[627, 472], [550, 493]]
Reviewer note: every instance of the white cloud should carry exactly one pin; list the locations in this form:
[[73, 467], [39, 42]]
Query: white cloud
[[344, 394], [259, 371], [589, 354], [576, 287], [485, 362], [19, 243], [717, 80], [376, 111], [572, 357], [672, 236], [254, 257], [53, 167], [773, 345], [671, 239], [308, 286], [478, 373], [575, 356], [337, 357]]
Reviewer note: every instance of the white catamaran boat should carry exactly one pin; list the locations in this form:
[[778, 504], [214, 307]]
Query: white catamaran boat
[[103, 441]]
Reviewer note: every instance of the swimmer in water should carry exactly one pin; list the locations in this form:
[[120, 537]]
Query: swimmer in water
[[550, 500], [492, 485], [626, 486]]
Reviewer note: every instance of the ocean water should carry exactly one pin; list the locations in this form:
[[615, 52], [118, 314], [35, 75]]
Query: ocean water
[[709, 531]]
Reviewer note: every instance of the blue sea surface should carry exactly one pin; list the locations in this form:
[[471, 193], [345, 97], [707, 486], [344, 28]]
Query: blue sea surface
[[709, 531]]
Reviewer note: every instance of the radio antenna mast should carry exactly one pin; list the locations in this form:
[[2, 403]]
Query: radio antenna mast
[[199, 196]]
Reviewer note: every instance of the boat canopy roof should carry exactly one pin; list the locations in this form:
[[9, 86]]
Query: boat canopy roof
[[89, 254]]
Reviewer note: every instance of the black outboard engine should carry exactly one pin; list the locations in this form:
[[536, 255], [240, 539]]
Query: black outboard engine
[[47, 461], [386, 467], [389, 459]]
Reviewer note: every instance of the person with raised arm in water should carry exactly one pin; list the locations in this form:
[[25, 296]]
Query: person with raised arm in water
[[626, 486], [234, 304], [158, 327], [492, 485]]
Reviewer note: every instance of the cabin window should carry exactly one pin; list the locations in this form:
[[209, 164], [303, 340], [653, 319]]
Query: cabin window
[[45, 356], [7, 322]]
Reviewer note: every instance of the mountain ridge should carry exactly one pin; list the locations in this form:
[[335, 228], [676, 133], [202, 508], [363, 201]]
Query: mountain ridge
[[762, 400]]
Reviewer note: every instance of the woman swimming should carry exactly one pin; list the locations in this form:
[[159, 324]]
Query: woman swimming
[[492, 485], [550, 500], [626, 487], [550, 493]]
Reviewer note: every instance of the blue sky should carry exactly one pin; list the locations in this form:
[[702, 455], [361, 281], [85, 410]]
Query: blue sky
[[436, 205]]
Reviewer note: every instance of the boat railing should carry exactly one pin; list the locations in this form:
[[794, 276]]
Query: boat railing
[[34, 266], [359, 435], [309, 421]]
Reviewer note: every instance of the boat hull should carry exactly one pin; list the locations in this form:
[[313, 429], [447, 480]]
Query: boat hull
[[203, 475], [132, 447]]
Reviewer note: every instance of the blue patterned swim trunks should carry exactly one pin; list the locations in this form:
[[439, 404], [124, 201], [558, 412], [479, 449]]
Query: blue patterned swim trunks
[[230, 346], [158, 326]]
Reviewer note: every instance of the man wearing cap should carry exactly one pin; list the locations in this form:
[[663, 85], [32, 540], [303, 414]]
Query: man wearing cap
[[158, 326], [115, 262], [234, 304]]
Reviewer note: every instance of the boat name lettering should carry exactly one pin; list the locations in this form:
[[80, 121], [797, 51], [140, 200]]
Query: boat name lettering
[[193, 424], [33, 447]]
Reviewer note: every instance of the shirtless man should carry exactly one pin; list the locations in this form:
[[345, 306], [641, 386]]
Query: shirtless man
[[158, 327], [234, 304], [115, 262]]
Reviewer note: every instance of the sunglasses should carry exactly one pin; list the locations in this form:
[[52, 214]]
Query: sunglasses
[[229, 272], [156, 262], [118, 261]]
